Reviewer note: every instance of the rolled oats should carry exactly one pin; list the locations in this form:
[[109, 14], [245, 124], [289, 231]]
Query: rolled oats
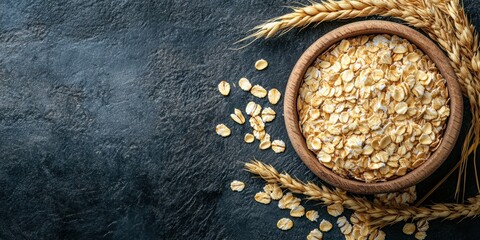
[[253, 109], [224, 88], [261, 64], [237, 186], [268, 114], [278, 146], [257, 123], [312, 215], [265, 143], [422, 225], [409, 228], [274, 191], [335, 209], [420, 235], [288, 201], [244, 84], [262, 197], [315, 235], [297, 211], [259, 135], [258, 91], [325, 225], [223, 130], [274, 96], [373, 108], [237, 116], [344, 225], [249, 138], [284, 224]]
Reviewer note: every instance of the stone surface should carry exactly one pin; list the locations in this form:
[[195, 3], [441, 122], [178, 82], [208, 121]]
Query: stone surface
[[107, 118]]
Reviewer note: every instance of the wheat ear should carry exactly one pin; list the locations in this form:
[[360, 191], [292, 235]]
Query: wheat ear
[[378, 215]]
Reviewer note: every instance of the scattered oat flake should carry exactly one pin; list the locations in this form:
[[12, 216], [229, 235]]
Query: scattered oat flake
[[420, 235], [265, 144], [315, 235], [257, 123], [409, 228], [259, 134], [223, 130], [288, 201], [249, 138], [422, 225], [261, 64], [224, 88], [244, 84], [274, 96], [297, 211], [312, 215], [278, 146], [262, 197], [237, 116], [268, 114], [274, 191], [237, 186], [258, 91], [284, 224], [325, 225], [335, 209]]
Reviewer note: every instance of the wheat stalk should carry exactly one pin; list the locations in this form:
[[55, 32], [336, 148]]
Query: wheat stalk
[[377, 215], [444, 21]]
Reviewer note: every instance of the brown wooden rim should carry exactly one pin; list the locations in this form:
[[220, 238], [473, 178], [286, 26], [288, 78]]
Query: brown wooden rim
[[363, 28]]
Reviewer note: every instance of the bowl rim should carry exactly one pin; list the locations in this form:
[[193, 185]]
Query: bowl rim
[[368, 27]]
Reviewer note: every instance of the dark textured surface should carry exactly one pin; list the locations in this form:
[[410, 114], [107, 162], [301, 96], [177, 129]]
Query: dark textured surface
[[107, 111]]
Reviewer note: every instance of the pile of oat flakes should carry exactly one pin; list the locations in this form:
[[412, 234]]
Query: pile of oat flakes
[[373, 107]]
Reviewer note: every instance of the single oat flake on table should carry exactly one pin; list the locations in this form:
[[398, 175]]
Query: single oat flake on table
[[315, 234], [223, 130], [325, 226], [261, 64], [312, 215], [244, 84], [275, 192], [297, 211], [373, 107], [249, 138], [224, 88], [258, 91], [274, 96], [237, 186], [262, 197], [237, 116], [284, 224]]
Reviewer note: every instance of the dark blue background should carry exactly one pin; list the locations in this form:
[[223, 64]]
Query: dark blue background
[[107, 117]]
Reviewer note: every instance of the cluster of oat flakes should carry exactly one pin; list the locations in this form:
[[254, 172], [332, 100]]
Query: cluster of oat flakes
[[373, 107], [258, 115], [288, 201], [352, 229]]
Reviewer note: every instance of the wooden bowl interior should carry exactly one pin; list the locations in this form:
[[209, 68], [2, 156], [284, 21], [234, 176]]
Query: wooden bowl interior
[[364, 28]]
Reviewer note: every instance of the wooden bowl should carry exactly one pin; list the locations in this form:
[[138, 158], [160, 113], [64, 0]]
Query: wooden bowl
[[364, 28]]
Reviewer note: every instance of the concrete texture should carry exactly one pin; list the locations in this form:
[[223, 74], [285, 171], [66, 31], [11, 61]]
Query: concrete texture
[[107, 117]]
